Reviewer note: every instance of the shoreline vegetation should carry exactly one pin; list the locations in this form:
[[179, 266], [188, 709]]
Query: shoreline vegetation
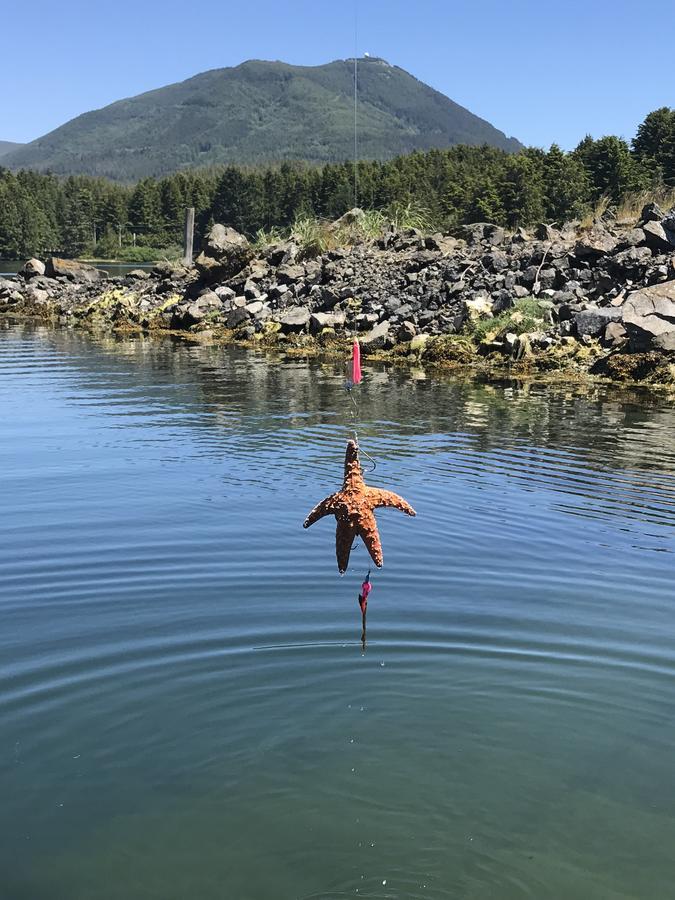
[[589, 300], [43, 214]]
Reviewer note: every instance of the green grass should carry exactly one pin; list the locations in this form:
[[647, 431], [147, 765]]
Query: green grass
[[525, 316], [410, 214], [266, 237]]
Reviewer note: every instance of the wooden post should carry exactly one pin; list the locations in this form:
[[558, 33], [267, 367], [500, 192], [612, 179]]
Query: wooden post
[[189, 235]]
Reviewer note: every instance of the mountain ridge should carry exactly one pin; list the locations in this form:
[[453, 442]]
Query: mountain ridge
[[259, 112], [8, 147]]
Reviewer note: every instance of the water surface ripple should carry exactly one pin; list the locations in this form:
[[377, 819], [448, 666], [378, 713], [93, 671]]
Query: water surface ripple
[[186, 709]]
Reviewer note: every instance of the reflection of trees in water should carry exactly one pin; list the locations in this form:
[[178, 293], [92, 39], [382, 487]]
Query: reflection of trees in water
[[230, 388]]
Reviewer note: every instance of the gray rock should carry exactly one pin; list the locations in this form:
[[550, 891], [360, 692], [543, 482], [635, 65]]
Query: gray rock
[[656, 237], [547, 233], [320, 320], [277, 291], [496, 261], [631, 263], [224, 254], [502, 300], [237, 317], [328, 298], [295, 319], [55, 267], [208, 300], [32, 268], [251, 289], [364, 321], [649, 317], [192, 313], [455, 288], [406, 332], [224, 292], [615, 334], [288, 274], [284, 252], [596, 242], [632, 238], [594, 320], [442, 243], [484, 231], [651, 213], [37, 296], [378, 338], [181, 316], [669, 226]]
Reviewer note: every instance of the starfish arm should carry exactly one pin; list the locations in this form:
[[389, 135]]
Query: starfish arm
[[380, 498], [367, 531], [344, 538], [325, 508]]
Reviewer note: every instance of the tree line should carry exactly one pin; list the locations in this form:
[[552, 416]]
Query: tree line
[[42, 214]]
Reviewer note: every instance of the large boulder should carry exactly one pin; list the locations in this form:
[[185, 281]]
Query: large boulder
[[32, 268], [378, 338], [224, 254], [594, 320], [657, 238], [71, 269], [668, 223], [649, 317], [597, 241], [631, 263], [281, 253], [321, 320], [484, 231], [295, 319]]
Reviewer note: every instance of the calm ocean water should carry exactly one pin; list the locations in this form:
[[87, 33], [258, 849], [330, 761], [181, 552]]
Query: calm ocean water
[[186, 710]]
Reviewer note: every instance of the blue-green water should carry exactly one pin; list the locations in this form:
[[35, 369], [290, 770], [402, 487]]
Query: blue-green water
[[186, 710], [9, 267]]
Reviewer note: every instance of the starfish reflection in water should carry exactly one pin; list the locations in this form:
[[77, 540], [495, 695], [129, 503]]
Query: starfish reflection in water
[[354, 509]]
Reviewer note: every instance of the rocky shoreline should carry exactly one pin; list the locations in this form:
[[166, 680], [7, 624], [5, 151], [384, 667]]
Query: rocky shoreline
[[597, 301]]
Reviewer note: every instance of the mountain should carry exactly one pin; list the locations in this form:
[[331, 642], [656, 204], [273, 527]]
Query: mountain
[[7, 147], [259, 112]]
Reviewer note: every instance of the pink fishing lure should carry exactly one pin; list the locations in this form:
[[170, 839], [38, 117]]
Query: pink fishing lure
[[356, 363]]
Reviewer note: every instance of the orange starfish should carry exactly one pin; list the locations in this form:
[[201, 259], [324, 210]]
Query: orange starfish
[[353, 508]]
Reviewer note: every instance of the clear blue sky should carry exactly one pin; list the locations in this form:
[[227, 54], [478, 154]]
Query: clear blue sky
[[543, 72]]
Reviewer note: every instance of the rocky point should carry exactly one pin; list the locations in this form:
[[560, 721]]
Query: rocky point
[[599, 300]]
